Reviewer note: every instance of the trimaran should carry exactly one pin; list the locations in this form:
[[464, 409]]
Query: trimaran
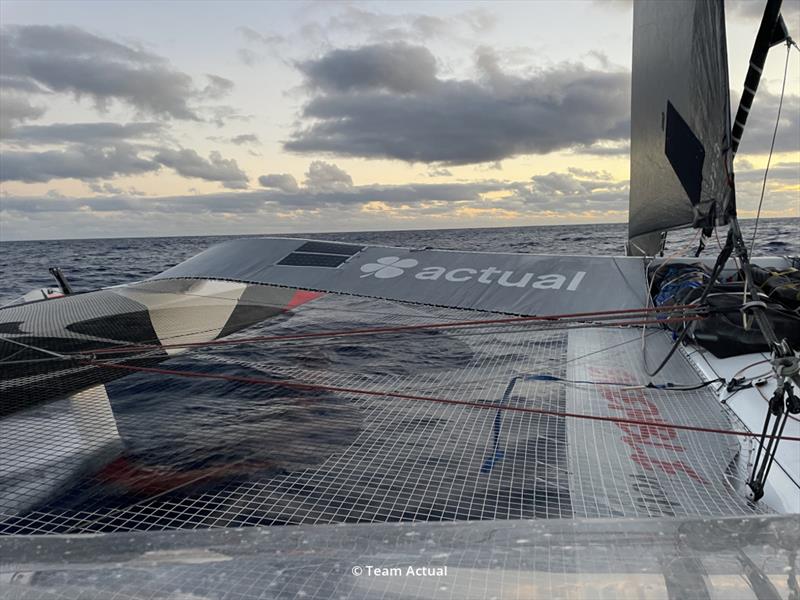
[[652, 400]]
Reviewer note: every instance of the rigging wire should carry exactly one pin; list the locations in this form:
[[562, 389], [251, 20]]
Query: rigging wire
[[722, 259], [772, 147], [392, 394], [329, 338], [607, 318]]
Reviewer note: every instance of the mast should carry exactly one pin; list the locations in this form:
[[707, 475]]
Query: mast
[[771, 32], [784, 359]]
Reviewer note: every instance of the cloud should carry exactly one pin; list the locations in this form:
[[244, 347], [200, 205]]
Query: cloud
[[16, 109], [251, 35], [106, 188], [576, 195], [327, 177], [279, 181], [750, 10], [407, 112], [367, 207], [358, 20], [575, 182], [189, 163], [20, 84], [217, 87], [618, 148], [268, 42], [760, 124], [397, 67], [352, 21], [221, 114], [788, 172], [68, 59], [332, 24], [78, 162], [85, 133], [239, 140], [329, 188], [781, 194], [245, 138], [103, 150], [275, 199]]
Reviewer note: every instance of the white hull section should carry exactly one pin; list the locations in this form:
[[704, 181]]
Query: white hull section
[[782, 489]]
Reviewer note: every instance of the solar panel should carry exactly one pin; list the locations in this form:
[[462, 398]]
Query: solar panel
[[307, 259], [330, 248]]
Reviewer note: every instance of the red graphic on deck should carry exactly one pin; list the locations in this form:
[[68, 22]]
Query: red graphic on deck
[[301, 297], [635, 405]]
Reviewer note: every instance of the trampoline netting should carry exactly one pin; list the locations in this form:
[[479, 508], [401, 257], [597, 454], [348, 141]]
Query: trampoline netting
[[479, 421]]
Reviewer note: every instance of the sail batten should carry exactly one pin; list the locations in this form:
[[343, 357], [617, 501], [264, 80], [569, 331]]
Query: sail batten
[[680, 121]]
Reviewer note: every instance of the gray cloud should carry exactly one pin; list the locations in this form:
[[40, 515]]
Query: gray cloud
[[453, 121], [397, 67], [780, 172], [106, 188], [102, 150], [268, 43], [248, 56], [328, 187], [239, 140], [356, 20], [327, 177], [70, 60], [357, 24], [16, 109], [245, 138], [20, 84], [251, 35], [77, 162], [597, 175], [217, 87], [190, 164], [576, 182], [578, 194], [279, 181], [85, 133], [619, 148], [760, 125], [221, 114], [233, 202]]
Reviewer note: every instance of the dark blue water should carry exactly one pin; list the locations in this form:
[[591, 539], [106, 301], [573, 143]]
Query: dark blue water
[[186, 436]]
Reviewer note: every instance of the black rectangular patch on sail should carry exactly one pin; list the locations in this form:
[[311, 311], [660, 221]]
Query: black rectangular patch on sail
[[685, 153], [307, 259], [330, 248]]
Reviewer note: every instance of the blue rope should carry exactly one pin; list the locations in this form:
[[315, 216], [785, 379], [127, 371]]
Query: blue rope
[[497, 454]]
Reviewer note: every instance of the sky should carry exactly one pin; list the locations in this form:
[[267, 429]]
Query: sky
[[191, 118]]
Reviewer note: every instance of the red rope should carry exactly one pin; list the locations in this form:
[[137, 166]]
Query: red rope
[[402, 328], [331, 388]]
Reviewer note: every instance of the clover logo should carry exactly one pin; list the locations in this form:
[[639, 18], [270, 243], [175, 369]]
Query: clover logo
[[388, 267]]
